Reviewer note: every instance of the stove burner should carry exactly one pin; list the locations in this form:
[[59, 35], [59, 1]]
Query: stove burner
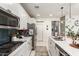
[[7, 48]]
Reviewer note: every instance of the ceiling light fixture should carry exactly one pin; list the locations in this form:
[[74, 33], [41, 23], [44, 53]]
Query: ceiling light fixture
[[38, 15], [36, 6], [50, 15]]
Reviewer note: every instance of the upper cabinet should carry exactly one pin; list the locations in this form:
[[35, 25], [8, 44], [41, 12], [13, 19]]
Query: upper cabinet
[[18, 10], [8, 20]]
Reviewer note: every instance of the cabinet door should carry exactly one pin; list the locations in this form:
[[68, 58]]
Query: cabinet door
[[12, 22], [3, 19], [8, 20], [52, 48], [57, 51], [49, 47]]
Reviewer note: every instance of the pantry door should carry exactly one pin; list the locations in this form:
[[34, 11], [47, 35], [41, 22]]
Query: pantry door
[[40, 32]]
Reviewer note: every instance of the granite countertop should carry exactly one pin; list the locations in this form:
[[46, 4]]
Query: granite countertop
[[25, 40], [65, 45]]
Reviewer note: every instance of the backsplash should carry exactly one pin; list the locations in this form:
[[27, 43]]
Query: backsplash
[[4, 35]]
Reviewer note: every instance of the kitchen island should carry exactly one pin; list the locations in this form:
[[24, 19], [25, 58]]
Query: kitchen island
[[64, 46], [24, 49]]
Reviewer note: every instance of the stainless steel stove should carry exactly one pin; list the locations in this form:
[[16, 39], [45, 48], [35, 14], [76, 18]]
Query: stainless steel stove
[[9, 47]]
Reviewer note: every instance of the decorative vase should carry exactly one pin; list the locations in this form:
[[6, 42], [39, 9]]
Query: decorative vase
[[73, 42]]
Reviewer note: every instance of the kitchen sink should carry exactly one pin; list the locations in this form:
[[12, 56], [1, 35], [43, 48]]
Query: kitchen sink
[[58, 38]]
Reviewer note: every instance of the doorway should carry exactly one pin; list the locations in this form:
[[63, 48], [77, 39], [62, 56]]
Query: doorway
[[40, 40], [43, 32]]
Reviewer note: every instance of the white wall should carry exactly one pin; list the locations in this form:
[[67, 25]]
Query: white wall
[[18, 10]]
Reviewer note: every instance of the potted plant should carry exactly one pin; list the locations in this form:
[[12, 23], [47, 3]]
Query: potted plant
[[71, 33]]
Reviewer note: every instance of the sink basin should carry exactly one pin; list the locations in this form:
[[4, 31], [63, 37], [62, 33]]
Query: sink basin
[[57, 38]]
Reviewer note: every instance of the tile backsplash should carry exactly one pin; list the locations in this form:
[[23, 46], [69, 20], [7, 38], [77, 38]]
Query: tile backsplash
[[4, 35]]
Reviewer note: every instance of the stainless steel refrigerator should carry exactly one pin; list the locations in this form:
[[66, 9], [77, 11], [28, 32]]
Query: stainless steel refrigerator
[[33, 33]]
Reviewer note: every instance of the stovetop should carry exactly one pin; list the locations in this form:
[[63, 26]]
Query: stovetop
[[9, 47]]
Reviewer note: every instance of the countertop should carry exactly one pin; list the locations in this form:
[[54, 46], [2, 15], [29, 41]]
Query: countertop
[[25, 40], [66, 47]]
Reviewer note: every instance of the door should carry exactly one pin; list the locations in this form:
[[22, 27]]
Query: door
[[43, 32], [46, 31], [40, 33]]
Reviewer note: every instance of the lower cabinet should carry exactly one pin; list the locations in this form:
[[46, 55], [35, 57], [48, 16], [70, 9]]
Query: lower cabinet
[[53, 51]]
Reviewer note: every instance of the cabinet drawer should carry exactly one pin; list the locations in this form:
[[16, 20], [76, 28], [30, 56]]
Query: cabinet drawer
[[52, 48]]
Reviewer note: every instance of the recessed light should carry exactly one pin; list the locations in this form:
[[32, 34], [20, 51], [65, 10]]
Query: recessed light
[[38, 15], [36, 6], [61, 21], [50, 15], [62, 7]]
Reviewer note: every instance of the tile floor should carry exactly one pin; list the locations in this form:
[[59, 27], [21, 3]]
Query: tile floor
[[40, 51]]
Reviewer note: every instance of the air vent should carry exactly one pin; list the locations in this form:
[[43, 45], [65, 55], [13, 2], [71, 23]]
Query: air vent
[[62, 7], [36, 6]]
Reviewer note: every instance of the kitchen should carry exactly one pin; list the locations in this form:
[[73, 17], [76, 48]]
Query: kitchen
[[39, 29]]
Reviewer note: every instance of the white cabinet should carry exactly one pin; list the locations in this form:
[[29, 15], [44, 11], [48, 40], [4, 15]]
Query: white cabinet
[[53, 51]]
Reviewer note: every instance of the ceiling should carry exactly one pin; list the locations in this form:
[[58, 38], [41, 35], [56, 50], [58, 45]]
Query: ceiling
[[49, 10]]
